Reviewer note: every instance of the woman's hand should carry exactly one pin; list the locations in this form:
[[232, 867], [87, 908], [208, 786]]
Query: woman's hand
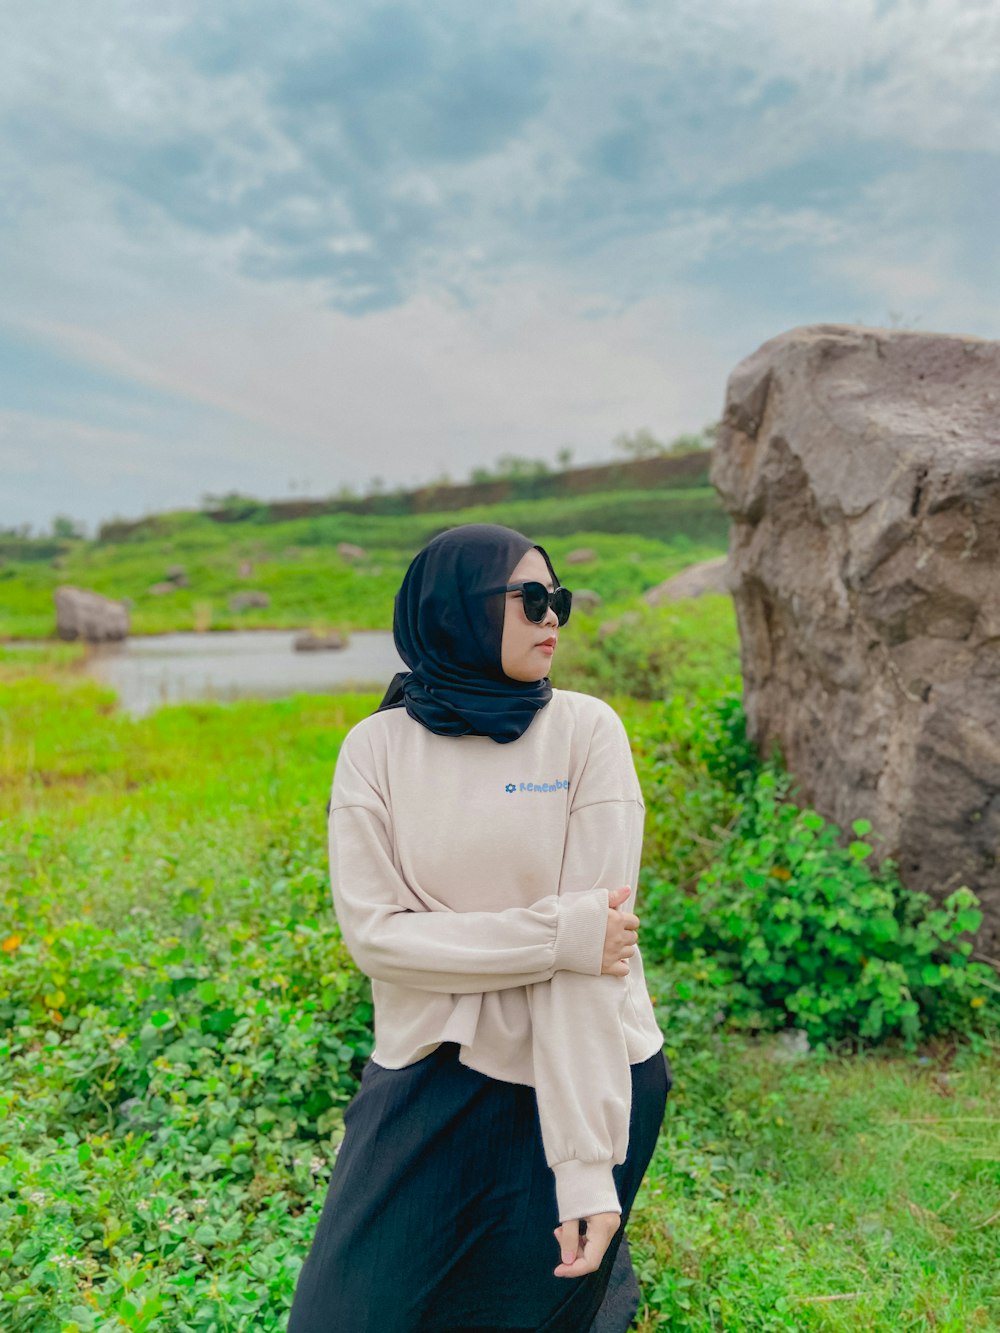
[[583, 1254], [621, 936]]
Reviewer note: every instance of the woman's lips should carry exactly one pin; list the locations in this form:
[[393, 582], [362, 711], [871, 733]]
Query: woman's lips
[[546, 648]]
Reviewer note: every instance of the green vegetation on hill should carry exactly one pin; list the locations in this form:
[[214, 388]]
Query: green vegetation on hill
[[641, 538], [515, 480]]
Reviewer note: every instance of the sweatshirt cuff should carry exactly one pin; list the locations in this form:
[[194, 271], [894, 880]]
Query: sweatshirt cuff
[[581, 926], [585, 1188]]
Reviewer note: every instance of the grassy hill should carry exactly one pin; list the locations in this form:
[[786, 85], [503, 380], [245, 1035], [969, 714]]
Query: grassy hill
[[640, 537]]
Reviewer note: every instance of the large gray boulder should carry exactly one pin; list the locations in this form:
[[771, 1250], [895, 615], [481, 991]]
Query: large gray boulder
[[81, 614], [861, 469]]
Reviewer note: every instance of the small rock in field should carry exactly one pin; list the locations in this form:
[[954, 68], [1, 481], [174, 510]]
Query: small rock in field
[[706, 576], [247, 601], [82, 614], [308, 642], [791, 1044]]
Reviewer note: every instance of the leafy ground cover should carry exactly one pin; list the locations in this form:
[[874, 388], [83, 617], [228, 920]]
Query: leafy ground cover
[[641, 538], [180, 1029]]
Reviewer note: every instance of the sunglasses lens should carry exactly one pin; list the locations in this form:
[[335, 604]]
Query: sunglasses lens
[[535, 599]]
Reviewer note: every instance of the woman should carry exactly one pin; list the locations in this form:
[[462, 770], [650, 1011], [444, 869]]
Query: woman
[[485, 838]]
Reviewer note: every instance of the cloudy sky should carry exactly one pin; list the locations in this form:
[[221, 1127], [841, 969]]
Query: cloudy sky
[[281, 247]]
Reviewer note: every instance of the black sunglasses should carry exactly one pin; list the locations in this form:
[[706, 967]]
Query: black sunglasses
[[536, 600]]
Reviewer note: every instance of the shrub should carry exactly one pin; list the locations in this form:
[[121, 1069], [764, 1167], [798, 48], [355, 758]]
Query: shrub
[[801, 929], [650, 653]]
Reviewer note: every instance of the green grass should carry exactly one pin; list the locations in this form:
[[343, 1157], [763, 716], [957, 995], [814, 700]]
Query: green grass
[[835, 1194], [296, 563], [180, 1029]]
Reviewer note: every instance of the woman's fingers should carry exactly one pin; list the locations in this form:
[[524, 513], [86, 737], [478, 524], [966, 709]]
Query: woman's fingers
[[570, 1248], [621, 936], [591, 1248]]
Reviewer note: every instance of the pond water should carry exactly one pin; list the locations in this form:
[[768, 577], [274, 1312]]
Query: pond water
[[148, 671]]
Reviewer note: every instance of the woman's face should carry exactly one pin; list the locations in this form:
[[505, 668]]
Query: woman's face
[[526, 649]]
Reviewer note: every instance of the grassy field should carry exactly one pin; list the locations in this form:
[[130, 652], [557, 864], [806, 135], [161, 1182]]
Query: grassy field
[[180, 1029], [640, 538]]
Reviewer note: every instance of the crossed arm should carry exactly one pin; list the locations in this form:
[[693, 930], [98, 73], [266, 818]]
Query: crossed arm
[[460, 953]]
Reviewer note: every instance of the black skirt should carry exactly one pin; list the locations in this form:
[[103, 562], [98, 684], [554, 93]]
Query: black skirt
[[440, 1211]]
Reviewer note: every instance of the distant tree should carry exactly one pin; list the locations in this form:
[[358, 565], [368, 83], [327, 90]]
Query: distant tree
[[684, 444], [642, 443], [234, 504], [66, 528], [517, 468], [690, 443], [480, 476], [564, 457], [376, 486]]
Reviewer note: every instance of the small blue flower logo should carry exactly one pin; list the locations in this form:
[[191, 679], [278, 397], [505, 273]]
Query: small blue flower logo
[[510, 787]]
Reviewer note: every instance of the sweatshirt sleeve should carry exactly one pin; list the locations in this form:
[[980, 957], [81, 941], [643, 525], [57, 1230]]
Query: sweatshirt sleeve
[[583, 1081], [451, 952]]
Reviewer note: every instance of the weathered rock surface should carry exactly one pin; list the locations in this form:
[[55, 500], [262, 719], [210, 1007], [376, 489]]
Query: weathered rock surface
[[81, 614], [308, 642], [248, 601], [861, 469], [695, 581], [161, 589], [583, 555], [586, 599]]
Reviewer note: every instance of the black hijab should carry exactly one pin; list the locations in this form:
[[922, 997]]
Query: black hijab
[[449, 635]]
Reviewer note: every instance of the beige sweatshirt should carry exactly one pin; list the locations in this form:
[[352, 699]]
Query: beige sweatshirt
[[470, 880]]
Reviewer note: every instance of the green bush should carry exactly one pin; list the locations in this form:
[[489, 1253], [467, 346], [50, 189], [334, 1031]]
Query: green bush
[[798, 929], [650, 653], [174, 1085]]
